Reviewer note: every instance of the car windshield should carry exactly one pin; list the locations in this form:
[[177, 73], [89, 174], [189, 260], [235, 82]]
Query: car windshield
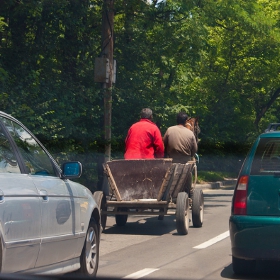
[[35, 158], [8, 162], [267, 157]]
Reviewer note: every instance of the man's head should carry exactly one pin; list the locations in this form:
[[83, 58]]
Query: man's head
[[146, 113], [182, 118]]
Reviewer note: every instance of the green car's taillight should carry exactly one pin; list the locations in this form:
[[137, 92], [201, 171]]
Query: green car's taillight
[[240, 197]]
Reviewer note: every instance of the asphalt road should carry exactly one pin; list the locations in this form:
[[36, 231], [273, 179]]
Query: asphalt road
[[148, 248]]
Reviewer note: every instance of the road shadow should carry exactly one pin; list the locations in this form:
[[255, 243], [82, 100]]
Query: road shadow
[[216, 200], [263, 270], [209, 195], [146, 226]]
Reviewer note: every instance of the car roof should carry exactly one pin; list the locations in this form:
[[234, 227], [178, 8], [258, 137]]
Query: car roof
[[272, 130], [274, 134], [3, 114], [8, 116], [273, 127]]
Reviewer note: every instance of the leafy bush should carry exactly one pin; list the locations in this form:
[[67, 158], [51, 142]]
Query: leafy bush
[[213, 176]]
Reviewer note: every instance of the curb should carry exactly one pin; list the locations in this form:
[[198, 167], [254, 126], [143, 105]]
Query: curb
[[217, 185]]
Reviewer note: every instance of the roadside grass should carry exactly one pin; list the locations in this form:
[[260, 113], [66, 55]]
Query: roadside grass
[[214, 176]]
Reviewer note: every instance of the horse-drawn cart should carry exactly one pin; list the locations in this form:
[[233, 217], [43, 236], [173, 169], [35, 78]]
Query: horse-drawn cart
[[151, 187]]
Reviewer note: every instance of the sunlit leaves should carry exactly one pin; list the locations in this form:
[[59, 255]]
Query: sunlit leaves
[[218, 59]]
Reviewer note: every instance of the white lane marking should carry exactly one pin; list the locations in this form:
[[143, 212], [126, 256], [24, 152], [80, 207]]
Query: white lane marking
[[141, 273], [147, 271], [213, 240]]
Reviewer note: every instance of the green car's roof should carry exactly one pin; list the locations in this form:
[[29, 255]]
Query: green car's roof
[[270, 134]]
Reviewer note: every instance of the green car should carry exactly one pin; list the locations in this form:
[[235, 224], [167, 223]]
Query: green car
[[254, 223]]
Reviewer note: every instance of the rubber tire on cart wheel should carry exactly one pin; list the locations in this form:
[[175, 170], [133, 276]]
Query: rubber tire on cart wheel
[[121, 219], [188, 184], [241, 266], [100, 199], [197, 208], [182, 213], [90, 254]]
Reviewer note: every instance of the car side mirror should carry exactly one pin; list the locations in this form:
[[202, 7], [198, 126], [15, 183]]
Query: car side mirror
[[71, 170]]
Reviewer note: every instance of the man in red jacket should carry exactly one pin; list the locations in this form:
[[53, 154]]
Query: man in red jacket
[[144, 139]]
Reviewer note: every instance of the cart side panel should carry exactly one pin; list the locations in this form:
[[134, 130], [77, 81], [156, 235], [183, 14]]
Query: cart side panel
[[174, 181], [185, 173], [140, 178], [167, 181], [171, 183], [112, 182], [176, 178]]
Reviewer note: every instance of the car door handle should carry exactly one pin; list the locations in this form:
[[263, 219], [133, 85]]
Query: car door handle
[[1, 196], [44, 195]]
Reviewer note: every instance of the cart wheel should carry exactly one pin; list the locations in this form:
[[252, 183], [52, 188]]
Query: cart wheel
[[188, 184], [121, 219], [194, 176], [197, 208], [182, 213], [100, 199]]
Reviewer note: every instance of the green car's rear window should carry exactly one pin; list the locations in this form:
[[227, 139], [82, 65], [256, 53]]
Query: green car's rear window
[[267, 157]]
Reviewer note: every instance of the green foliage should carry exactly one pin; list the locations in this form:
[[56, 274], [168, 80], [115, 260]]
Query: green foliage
[[214, 59], [212, 176], [237, 74]]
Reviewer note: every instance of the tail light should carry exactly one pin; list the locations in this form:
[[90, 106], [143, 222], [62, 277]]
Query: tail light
[[240, 197]]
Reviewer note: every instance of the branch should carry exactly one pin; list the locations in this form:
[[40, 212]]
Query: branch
[[265, 108]]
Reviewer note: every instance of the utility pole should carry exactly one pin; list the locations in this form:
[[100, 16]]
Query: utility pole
[[104, 73], [107, 52]]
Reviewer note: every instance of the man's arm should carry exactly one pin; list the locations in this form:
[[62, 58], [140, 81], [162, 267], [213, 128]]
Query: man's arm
[[165, 139], [194, 146], [158, 144]]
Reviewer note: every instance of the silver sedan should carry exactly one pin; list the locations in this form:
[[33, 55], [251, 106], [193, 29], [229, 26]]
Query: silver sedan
[[48, 223]]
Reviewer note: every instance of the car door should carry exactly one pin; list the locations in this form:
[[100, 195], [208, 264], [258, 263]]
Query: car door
[[59, 213], [20, 211]]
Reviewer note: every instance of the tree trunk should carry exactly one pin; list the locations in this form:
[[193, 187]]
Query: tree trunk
[[265, 108]]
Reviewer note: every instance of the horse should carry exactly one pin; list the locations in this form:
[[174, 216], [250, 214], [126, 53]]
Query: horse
[[192, 124]]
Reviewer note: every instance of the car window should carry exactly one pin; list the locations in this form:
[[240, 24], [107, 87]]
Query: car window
[[8, 161], [35, 158], [267, 157]]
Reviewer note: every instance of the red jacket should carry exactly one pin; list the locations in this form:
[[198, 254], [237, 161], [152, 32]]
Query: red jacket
[[143, 140]]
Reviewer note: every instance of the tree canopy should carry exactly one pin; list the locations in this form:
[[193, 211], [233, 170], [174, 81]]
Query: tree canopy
[[216, 59]]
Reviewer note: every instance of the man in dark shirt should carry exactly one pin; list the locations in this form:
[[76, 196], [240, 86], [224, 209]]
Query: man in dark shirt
[[180, 143]]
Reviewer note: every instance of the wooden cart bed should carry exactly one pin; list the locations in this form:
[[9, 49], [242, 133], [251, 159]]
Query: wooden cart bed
[[142, 179]]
